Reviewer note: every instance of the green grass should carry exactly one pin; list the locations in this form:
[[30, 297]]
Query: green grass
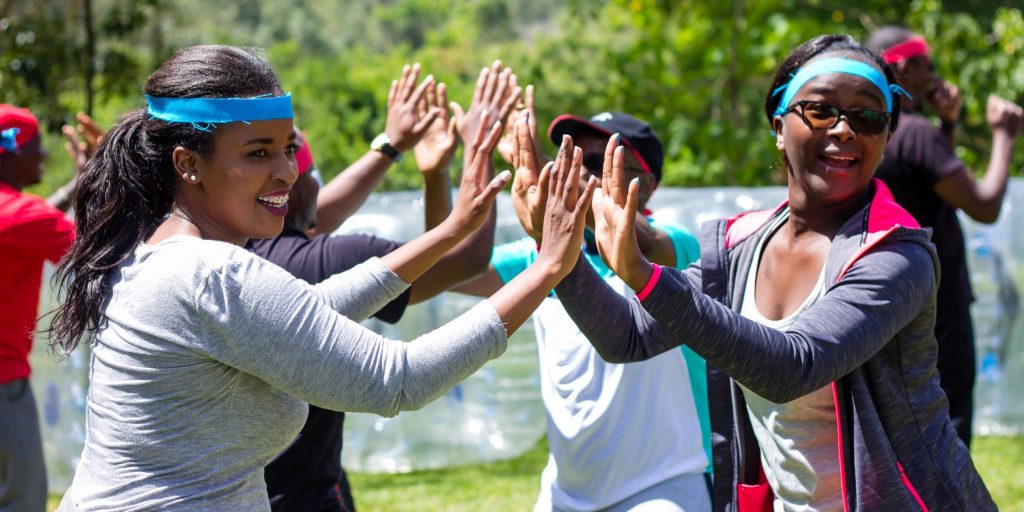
[[512, 485]]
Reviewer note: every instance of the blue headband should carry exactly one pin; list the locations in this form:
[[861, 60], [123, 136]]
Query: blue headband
[[837, 65], [203, 112], [8, 138]]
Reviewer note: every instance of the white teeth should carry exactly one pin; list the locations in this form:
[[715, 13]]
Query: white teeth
[[274, 200]]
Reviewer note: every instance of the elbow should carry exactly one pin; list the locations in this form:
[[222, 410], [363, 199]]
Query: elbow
[[988, 215]]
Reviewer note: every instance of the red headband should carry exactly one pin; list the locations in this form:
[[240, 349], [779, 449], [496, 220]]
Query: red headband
[[913, 47], [304, 157], [20, 118]]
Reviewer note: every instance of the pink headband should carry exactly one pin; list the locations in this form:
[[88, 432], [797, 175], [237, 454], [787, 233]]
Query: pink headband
[[913, 47], [304, 157]]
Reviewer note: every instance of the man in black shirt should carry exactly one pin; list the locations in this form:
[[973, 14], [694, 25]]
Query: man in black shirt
[[308, 475], [931, 182]]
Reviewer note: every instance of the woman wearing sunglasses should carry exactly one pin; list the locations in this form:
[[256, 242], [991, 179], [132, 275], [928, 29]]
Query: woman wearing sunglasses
[[816, 318]]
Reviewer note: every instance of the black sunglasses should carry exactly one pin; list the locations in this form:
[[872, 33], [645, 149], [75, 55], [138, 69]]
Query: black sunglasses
[[820, 115], [595, 164]]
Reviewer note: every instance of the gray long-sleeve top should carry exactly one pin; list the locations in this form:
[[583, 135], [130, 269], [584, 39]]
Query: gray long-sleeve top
[[871, 334], [207, 353]]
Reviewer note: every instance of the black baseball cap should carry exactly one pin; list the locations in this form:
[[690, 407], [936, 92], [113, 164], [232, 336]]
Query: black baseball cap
[[636, 135]]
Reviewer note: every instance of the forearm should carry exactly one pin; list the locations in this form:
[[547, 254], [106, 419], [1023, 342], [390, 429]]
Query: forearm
[[437, 198], [344, 194], [61, 198], [876, 299], [416, 257], [619, 329], [469, 259], [948, 130], [518, 299], [992, 186], [362, 290]]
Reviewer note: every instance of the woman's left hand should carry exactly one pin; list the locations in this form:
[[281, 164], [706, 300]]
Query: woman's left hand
[[434, 152], [615, 207]]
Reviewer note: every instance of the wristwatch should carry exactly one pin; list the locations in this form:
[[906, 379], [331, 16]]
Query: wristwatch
[[382, 143]]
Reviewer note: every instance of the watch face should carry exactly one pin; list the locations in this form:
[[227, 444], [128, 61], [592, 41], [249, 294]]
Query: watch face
[[380, 141]]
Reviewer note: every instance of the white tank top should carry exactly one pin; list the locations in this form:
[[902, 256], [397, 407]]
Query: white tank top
[[799, 450]]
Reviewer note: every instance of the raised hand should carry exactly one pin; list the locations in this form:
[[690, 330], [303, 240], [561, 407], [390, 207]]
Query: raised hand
[[945, 100], [1003, 116], [615, 207], [82, 140], [565, 210], [507, 145], [529, 189], [407, 123], [436, 148], [495, 93], [476, 191]]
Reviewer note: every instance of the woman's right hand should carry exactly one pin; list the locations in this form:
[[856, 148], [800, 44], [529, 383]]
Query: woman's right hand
[[565, 211], [476, 191], [615, 207]]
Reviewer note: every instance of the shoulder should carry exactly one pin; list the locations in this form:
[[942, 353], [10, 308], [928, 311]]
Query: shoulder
[[684, 243], [20, 208]]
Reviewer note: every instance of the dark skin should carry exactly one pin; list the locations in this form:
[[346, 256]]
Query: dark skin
[[981, 199], [23, 167], [829, 174]]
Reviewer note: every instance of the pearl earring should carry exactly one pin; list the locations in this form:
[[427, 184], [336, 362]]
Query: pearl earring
[[194, 177]]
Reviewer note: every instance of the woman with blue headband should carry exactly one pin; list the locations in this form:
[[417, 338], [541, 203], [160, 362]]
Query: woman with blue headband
[[816, 317], [204, 355]]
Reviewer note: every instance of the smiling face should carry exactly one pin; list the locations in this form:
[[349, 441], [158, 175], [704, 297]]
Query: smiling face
[[242, 185], [830, 166]]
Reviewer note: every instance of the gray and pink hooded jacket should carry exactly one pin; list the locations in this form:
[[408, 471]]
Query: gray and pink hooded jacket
[[871, 337]]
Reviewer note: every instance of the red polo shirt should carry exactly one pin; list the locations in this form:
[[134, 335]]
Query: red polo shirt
[[31, 232]]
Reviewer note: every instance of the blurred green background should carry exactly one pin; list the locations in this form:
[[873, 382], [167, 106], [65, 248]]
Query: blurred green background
[[698, 70]]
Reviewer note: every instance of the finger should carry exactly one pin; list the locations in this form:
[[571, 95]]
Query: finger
[[418, 93], [432, 115], [458, 115], [392, 93], [497, 184], [531, 110], [428, 100], [410, 82], [501, 87], [609, 155], [572, 183], [493, 136], [527, 154], [478, 137], [543, 182], [492, 78], [510, 101], [584, 202], [92, 131], [618, 188], [478, 91], [632, 198], [71, 136], [403, 82], [442, 98]]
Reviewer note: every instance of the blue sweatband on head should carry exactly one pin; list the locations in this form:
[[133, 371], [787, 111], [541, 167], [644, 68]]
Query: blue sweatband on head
[[8, 138], [837, 65], [203, 112]]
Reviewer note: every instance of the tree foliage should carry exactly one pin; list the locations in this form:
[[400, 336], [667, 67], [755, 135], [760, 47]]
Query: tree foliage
[[697, 70]]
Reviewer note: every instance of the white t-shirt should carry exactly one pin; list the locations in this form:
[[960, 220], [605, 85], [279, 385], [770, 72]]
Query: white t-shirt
[[798, 442], [613, 429]]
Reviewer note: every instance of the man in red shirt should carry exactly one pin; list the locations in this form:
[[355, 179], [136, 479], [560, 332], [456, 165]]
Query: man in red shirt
[[31, 232]]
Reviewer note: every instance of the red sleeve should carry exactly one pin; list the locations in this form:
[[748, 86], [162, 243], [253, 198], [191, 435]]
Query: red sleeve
[[40, 232]]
